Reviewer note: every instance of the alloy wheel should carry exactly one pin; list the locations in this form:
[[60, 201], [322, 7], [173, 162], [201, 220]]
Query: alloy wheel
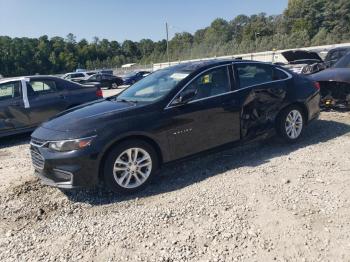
[[132, 168], [294, 124]]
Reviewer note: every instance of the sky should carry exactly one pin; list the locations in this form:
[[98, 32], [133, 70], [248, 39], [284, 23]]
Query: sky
[[121, 19]]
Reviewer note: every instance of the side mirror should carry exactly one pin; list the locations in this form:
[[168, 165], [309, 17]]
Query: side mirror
[[184, 98]]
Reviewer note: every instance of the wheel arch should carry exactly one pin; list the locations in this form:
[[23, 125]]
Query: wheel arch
[[305, 110], [144, 138]]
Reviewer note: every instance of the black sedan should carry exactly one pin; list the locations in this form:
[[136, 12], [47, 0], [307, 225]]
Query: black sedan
[[171, 114], [133, 77], [103, 80]]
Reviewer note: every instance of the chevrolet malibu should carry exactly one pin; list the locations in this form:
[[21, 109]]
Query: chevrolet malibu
[[171, 114]]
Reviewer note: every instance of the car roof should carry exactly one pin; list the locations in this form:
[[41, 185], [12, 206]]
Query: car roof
[[18, 78], [340, 48], [197, 65]]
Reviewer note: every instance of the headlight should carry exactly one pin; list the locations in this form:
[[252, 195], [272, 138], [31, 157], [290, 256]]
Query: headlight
[[70, 145]]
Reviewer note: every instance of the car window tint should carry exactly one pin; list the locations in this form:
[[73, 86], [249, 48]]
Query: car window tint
[[334, 55], [9, 90], [42, 87], [342, 53], [254, 74], [279, 74], [77, 75], [211, 83], [105, 77]]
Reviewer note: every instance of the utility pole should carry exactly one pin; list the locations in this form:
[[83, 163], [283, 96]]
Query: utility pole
[[167, 41]]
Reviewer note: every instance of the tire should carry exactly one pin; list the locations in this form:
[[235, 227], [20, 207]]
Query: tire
[[291, 123], [114, 85], [121, 174]]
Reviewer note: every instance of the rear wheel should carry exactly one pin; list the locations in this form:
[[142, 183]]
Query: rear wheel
[[130, 166], [114, 85], [290, 124]]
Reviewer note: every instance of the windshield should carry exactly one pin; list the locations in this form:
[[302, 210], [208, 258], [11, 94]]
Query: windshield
[[155, 86], [343, 62]]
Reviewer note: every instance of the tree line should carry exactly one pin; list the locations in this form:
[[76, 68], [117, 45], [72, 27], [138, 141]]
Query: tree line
[[303, 23]]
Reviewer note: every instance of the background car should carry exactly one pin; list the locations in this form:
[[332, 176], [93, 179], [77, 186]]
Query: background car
[[299, 59], [335, 84], [172, 114], [77, 76], [28, 101], [334, 55], [133, 77], [104, 80]]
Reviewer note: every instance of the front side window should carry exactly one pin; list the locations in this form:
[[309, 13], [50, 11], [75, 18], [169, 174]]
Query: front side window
[[254, 74], [9, 90], [155, 86], [212, 83]]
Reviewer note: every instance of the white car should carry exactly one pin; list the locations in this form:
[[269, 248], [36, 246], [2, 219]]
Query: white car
[[77, 76]]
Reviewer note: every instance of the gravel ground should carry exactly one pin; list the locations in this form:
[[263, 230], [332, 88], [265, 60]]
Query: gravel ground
[[260, 202]]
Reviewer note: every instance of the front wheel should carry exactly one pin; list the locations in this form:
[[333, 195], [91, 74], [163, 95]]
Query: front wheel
[[290, 123], [114, 85], [130, 166]]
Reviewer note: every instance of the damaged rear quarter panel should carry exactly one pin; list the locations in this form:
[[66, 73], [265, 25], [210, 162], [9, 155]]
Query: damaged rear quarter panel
[[261, 106]]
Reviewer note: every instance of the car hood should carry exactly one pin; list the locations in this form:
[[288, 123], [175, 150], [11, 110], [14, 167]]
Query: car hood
[[87, 116], [333, 74], [292, 56]]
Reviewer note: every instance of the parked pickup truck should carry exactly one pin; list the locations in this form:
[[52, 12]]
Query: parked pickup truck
[[26, 102]]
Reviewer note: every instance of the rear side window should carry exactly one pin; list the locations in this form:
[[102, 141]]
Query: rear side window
[[279, 74], [9, 90], [254, 74], [39, 87], [106, 77]]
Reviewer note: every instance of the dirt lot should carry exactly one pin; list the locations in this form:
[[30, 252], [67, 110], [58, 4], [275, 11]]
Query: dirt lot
[[260, 202]]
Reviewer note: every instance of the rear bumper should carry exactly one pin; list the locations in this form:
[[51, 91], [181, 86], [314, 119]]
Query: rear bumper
[[313, 106]]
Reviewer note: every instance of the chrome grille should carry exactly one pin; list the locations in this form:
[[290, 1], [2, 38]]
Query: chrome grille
[[37, 160], [37, 142]]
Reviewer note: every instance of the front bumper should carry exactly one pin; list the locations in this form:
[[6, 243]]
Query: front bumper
[[66, 170]]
